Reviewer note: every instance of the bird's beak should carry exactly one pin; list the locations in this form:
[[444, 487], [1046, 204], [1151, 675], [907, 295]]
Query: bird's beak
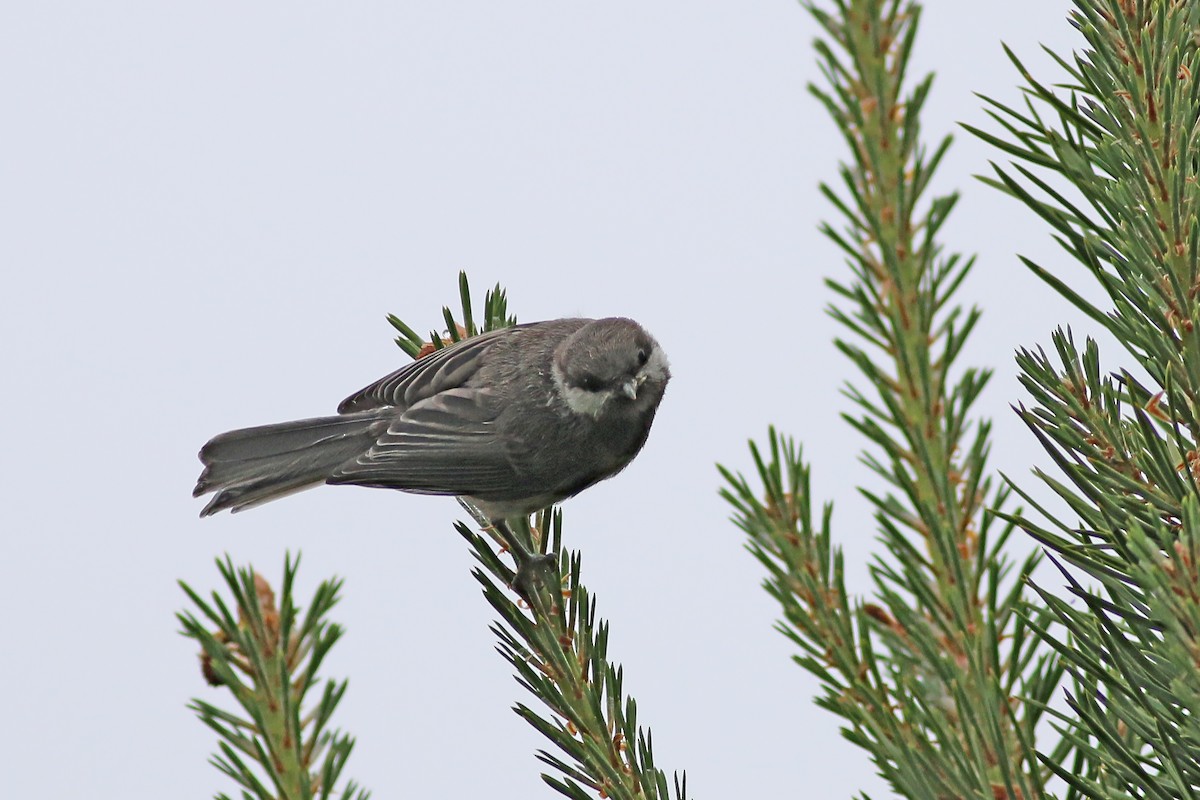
[[630, 388]]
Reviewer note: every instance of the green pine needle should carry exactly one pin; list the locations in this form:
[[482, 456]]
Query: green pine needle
[[925, 673], [275, 753]]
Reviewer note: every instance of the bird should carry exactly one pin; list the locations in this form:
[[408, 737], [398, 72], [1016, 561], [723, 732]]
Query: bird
[[512, 421]]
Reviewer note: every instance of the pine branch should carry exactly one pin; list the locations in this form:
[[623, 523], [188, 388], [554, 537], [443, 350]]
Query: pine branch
[[268, 658], [939, 678], [551, 634], [1121, 137], [558, 648]]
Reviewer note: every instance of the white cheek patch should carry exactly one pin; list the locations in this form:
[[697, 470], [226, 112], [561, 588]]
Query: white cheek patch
[[656, 365], [579, 400], [584, 402]]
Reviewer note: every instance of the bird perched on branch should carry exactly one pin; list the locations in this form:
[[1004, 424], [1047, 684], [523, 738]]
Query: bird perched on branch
[[512, 421]]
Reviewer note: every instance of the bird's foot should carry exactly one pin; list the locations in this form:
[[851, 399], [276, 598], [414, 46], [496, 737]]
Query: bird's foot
[[533, 568], [534, 571]]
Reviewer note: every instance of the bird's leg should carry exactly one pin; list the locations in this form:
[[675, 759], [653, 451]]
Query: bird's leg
[[532, 568]]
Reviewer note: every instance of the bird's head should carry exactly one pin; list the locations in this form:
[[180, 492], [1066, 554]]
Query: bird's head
[[609, 365]]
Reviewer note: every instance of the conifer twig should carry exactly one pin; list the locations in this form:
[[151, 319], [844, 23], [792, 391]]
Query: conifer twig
[[1109, 160], [937, 677], [267, 656]]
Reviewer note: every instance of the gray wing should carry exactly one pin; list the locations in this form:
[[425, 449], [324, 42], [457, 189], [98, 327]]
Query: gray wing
[[448, 368], [445, 444]]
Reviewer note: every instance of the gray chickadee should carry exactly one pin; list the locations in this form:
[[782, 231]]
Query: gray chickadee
[[512, 421]]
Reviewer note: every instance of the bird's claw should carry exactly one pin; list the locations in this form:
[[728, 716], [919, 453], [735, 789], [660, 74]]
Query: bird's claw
[[532, 571]]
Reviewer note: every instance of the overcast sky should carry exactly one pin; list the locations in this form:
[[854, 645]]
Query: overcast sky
[[208, 210]]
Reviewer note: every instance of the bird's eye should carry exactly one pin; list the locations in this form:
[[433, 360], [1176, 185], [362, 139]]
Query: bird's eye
[[643, 357], [590, 383]]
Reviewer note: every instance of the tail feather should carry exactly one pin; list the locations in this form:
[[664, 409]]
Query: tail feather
[[255, 465]]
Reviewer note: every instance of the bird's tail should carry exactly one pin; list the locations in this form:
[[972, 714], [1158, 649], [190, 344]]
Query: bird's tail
[[254, 465]]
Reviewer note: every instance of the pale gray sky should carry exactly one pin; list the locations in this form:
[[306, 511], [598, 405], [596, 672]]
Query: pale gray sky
[[209, 209]]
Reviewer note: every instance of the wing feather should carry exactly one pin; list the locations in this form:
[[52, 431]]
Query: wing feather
[[448, 368], [446, 444]]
